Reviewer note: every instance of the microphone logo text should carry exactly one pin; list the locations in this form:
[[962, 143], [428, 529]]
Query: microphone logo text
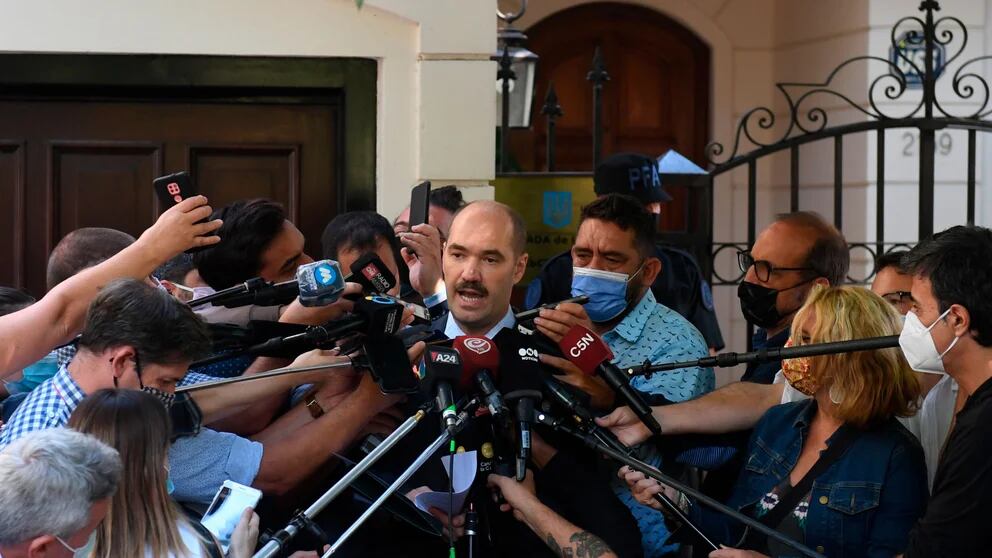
[[478, 345], [581, 345], [528, 353], [444, 358]]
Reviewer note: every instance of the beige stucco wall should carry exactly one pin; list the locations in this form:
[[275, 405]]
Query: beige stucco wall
[[435, 110]]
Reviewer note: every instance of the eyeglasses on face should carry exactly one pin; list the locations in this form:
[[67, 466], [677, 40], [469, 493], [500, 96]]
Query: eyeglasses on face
[[763, 269]]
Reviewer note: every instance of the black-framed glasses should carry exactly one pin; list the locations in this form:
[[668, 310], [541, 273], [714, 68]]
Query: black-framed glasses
[[762, 269]]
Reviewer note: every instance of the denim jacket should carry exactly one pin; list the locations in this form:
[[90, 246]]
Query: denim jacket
[[863, 505]]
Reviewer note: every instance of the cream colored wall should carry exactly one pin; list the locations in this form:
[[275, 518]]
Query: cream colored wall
[[435, 110]]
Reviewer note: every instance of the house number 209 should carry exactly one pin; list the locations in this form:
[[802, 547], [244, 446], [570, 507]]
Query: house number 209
[[943, 146]]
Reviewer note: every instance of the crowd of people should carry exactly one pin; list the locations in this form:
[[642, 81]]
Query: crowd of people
[[114, 441]]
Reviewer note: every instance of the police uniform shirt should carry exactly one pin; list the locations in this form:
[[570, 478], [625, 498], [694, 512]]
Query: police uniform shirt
[[680, 286]]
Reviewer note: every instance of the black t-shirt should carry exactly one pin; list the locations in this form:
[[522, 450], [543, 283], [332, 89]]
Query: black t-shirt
[[957, 519], [680, 286]]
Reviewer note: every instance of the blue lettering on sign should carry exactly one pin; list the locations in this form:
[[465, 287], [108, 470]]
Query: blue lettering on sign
[[911, 46], [326, 275], [557, 209]]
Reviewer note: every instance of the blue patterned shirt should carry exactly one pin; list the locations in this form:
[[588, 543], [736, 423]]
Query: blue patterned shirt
[[48, 406], [654, 332]]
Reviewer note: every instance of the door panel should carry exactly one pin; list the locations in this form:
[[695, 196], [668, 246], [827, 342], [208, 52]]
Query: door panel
[[92, 164], [11, 211]]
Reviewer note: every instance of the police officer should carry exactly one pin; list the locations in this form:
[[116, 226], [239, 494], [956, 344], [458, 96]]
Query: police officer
[[680, 285]]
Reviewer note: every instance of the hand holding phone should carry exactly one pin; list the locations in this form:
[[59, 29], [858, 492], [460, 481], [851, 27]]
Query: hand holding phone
[[227, 508]]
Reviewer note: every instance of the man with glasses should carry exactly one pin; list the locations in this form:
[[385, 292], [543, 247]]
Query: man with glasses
[[797, 251]]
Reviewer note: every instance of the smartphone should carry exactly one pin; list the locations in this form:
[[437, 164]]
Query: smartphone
[[533, 312], [420, 199], [420, 313], [174, 188], [226, 508]]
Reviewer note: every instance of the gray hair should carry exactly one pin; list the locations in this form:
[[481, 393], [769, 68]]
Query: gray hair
[[49, 480]]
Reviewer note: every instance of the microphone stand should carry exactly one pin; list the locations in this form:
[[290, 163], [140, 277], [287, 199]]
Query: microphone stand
[[305, 518], [724, 360], [270, 374], [595, 444], [437, 444]]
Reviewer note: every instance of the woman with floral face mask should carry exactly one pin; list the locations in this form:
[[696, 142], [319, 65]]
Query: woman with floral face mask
[[836, 472]]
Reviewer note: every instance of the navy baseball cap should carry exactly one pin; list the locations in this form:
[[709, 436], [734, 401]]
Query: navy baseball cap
[[632, 174]]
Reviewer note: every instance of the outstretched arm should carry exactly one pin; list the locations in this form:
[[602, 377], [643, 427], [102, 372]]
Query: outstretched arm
[[26, 336]]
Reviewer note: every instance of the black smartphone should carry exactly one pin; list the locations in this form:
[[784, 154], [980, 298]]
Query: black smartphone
[[174, 188], [420, 199]]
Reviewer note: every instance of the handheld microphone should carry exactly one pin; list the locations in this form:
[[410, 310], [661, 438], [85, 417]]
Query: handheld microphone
[[480, 361], [592, 356], [372, 274], [440, 368], [320, 283], [525, 401]]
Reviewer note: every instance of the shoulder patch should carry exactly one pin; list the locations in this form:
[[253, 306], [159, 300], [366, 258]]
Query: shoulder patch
[[706, 293]]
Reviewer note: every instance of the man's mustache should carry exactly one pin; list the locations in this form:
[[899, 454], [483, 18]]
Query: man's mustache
[[473, 285]]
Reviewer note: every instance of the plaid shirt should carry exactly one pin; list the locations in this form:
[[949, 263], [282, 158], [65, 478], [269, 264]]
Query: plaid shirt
[[48, 406]]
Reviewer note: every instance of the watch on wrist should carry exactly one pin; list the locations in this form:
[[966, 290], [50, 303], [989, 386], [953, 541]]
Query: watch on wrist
[[316, 411]]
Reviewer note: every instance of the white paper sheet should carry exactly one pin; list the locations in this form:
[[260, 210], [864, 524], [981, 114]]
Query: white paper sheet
[[465, 468]]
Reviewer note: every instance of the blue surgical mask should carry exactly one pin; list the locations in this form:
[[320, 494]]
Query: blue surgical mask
[[607, 291], [83, 551]]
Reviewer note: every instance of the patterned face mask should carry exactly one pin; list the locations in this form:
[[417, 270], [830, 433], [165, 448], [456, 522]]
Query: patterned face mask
[[165, 397], [796, 371]]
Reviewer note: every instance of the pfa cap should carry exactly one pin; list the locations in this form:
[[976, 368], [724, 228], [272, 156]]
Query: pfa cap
[[632, 174]]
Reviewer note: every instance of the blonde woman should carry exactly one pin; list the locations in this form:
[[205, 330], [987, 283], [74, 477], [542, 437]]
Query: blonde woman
[[862, 497], [143, 519]]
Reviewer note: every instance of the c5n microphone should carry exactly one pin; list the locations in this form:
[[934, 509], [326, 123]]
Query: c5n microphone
[[592, 356], [440, 369], [480, 364]]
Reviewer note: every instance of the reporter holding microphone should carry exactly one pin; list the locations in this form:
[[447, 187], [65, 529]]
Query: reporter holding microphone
[[836, 472]]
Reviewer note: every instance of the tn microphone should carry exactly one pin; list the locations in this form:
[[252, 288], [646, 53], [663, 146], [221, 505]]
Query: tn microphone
[[592, 356]]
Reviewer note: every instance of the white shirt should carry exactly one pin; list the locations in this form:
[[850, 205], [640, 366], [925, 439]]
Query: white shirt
[[190, 539], [452, 329], [930, 424]]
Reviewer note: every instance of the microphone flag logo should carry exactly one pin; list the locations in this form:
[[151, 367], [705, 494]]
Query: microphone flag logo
[[478, 345], [325, 275]]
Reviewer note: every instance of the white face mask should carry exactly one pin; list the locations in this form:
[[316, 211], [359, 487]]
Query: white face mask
[[918, 346]]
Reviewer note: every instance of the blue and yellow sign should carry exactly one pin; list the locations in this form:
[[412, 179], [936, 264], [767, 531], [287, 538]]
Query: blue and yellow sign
[[550, 205]]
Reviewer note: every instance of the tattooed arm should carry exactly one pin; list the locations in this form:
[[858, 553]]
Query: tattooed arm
[[564, 538]]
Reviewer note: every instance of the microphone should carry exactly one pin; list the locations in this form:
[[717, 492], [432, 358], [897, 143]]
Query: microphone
[[767, 355], [440, 368], [592, 356], [523, 410], [370, 271], [389, 365], [480, 362], [373, 316], [322, 283]]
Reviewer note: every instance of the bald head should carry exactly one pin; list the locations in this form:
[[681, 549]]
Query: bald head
[[83, 248], [483, 258], [497, 213]]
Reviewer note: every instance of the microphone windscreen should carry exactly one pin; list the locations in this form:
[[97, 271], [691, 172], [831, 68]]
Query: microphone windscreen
[[320, 283], [439, 364], [370, 271], [383, 316], [585, 349], [520, 368], [478, 353]]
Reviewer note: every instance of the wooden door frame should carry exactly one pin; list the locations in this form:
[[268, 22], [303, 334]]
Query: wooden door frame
[[346, 82]]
